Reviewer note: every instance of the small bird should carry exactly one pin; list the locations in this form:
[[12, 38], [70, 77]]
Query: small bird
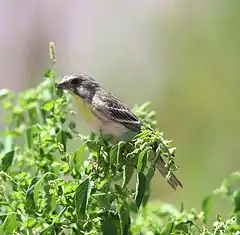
[[106, 114]]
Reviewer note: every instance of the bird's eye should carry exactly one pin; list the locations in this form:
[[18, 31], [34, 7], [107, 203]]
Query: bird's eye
[[74, 81]]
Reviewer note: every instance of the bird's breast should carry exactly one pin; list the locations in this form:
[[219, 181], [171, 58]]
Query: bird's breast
[[97, 124], [85, 111]]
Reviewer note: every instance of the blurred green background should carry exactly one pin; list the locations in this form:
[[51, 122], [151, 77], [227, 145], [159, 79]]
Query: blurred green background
[[181, 56]]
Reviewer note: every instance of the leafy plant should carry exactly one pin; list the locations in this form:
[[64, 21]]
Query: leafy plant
[[47, 189]]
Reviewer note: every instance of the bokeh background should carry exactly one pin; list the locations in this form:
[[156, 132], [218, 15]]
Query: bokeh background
[[183, 56]]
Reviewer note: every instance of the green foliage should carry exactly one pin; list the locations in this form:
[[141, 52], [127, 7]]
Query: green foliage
[[162, 218], [47, 189]]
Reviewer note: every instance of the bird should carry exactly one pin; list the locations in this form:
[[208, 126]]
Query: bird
[[107, 114]]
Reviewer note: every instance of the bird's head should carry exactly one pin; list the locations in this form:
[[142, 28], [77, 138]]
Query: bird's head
[[79, 84]]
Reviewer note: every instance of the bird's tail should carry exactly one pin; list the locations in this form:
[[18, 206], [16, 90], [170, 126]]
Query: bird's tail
[[173, 180]]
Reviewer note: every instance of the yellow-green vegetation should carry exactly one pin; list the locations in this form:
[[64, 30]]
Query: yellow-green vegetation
[[47, 189]]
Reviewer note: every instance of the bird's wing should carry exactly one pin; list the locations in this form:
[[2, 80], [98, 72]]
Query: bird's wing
[[107, 106]]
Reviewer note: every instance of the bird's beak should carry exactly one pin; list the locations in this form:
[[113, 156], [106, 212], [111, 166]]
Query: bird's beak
[[62, 85]]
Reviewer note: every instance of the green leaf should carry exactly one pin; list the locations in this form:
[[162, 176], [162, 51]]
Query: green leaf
[[142, 161], [149, 176], [128, 171], [113, 159], [1, 146], [47, 106], [10, 223], [50, 73], [51, 203], [29, 222], [140, 188], [93, 146], [7, 160], [36, 191], [124, 218], [29, 137], [168, 229], [120, 144], [184, 226], [103, 201], [62, 139], [109, 226], [78, 157], [48, 231], [114, 153], [236, 199], [30, 203], [206, 206], [82, 194], [4, 94], [33, 192]]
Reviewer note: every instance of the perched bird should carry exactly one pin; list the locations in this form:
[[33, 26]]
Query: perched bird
[[106, 114]]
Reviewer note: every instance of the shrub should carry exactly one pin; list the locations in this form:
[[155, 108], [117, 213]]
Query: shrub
[[45, 188]]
